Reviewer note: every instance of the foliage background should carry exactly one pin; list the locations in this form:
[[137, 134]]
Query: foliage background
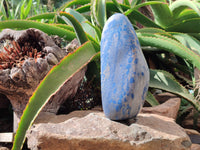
[[168, 32]]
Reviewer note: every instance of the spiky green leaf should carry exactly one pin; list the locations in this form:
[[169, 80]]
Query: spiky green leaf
[[47, 28], [86, 27], [98, 12], [57, 76], [162, 14], [186, 26], [165, 81], [178, 6], [151, 99], [170, 45], [80, 33], [189, 41], [141, 5]]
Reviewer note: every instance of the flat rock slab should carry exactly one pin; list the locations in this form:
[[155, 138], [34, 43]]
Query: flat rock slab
[[93, 131]]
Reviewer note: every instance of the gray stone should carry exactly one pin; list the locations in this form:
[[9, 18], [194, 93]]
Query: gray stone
[[89, 130]]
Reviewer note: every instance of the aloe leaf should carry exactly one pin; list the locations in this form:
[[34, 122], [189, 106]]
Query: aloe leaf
[[86, 27], [170, 45], [97, 30], [49, 15], [98, 12], [151, 99], [69, 19], [80, 34], [185, 15], [57, 76], [189, 41], [133, 3], [118, 6], [84, 8], [186, 26], [72, 3], [64, 26], [196, 35], [47, 28], [135, 15], [165, 81], [156, 31], [126, 2], [141, 5], [178, 6], [162, 14]]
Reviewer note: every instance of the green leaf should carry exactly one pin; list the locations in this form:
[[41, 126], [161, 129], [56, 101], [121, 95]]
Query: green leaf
[[135, 15], [98, 12], [185, 15], [156, 31], [49, 15], [133, 3], [162, 14], [170, 45], [97, 30], [186, 26], [28, 8], [64, 26], [118, 6], [57, 76], [165, 81], [178, 6], [69, 19], [25, 10], [151, 99], [189, 41], [126, 2], [86, 27], [2, 10], [84, 8], [141, 5], [47, 28], [72, 3]]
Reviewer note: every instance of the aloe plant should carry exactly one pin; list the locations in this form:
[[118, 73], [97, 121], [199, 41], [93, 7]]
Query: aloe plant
[[65, 69], [160, 38]]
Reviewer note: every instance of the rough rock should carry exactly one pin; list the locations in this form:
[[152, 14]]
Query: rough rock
[[87, 130], [163, 97], [4, 148], [195, 147], [169, 108], [188, 122]]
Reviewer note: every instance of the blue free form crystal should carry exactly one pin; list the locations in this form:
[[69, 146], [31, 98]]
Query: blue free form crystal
[[124, 71]]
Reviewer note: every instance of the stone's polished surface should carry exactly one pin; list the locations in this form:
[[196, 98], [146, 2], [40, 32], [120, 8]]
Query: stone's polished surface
[[124, 71]]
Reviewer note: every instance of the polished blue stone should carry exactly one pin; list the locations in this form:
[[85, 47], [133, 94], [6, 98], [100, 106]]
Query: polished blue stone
[[124, 71]]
